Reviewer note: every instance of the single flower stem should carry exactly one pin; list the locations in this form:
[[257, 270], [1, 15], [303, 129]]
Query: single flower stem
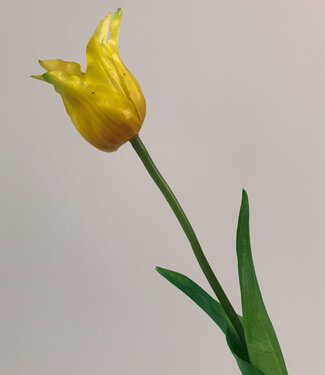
[[190, 234]]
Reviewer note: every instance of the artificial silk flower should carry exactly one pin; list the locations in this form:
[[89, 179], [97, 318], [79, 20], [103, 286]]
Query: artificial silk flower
[[106, 103]]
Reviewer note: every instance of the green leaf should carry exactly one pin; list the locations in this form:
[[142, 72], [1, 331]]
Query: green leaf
[[216, 313], [263, 347]]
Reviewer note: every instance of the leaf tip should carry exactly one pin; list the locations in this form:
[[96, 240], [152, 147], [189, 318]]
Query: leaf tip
[[244, 201]]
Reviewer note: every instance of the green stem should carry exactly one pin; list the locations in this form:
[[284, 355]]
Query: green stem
[[190, 234]]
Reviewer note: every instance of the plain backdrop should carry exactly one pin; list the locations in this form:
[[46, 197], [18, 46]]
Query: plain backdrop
[[235, 98]]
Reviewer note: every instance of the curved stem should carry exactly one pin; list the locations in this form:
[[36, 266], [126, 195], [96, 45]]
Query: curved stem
[[190, 234]]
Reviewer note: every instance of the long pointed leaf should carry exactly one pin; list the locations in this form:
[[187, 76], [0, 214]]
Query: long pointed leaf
[[216, 313], [263, 347]]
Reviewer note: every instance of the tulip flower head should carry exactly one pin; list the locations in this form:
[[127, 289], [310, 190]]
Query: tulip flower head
[[106, 103]]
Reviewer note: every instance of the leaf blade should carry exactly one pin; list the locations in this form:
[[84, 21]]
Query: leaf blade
[[263, 347], [214, 309]]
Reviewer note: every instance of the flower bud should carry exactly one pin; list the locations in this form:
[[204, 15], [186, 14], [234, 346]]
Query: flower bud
[[106, 103]]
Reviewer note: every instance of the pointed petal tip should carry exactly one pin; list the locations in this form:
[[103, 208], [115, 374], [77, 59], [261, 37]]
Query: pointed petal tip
[[41, 62], [44, 63], [102, 28], [114, 29], [38, 76], [69, 67], [118, 14], [107, 17]]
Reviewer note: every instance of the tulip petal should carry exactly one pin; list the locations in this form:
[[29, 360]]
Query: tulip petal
[[100, 65], [63, 82], [115, 30], [106, 123], [39, 76], [69, 67], [102, 29], [130, 86]]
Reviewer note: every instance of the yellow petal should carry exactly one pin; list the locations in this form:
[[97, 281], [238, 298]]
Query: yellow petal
[[106, 120], [39, 76], [128, 83], [69, 67], [102, 29], [115, 30], [100, 65], [130, 86], [63, 82]]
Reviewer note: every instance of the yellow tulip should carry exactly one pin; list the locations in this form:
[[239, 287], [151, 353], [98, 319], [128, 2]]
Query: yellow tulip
[[106, 103]]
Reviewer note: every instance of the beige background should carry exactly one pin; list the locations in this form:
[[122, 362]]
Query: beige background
[[235, 94]]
